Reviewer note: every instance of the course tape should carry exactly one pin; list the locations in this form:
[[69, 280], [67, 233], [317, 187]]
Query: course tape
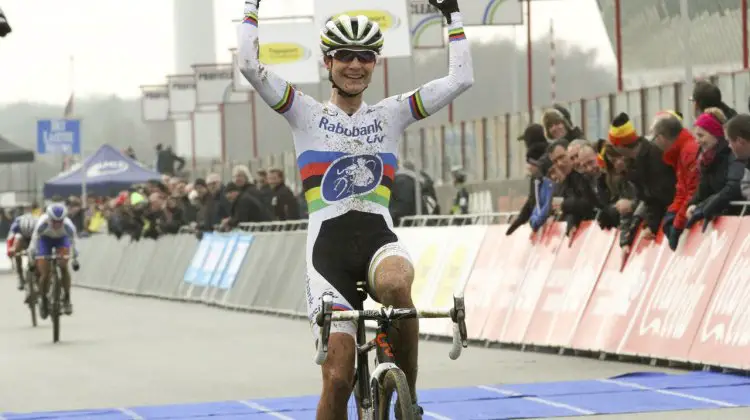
[[546, 289]]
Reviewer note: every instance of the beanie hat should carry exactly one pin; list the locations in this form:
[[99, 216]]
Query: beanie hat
[[622, 131], [535, 152], [711, 124]]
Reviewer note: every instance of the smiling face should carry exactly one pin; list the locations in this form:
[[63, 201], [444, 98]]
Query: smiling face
[[351, 70]]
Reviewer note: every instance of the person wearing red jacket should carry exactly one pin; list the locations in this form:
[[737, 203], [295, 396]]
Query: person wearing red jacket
[[681, 152]]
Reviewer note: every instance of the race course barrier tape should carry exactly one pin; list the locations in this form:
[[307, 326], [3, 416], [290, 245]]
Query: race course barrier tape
[[545, 289]]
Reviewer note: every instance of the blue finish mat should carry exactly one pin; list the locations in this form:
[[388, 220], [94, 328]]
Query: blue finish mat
[[631, 393]]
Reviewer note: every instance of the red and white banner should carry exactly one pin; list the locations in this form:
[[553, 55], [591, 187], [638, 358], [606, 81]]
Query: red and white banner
[[587, 293], [569, 286]]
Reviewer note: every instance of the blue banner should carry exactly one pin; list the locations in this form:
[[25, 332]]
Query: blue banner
[[216, 249], [58, 137], [195, 269], [241, 248], [215, 275]]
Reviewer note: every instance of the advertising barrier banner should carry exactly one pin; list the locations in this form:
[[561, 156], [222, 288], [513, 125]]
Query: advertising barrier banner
[[673, 305], [392, 16], [723, 337], [569, 286], [617, 293], [494, 282], [546, 243], [545, 289]]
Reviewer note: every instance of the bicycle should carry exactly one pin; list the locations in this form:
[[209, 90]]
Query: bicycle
[[30, 286], [374, 402], [55, 303]]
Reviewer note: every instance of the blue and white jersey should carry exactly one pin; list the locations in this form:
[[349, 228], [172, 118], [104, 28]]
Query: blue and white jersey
[[44, 229]]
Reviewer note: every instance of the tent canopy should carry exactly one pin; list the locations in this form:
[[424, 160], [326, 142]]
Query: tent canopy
[[107, 172], [12, 153]]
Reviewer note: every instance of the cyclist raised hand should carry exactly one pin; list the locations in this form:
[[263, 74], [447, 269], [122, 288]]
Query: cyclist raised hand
[[347, 152], [54, 230]]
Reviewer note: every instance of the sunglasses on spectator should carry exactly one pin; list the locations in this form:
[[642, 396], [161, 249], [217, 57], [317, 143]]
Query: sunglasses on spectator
[[347, 56]]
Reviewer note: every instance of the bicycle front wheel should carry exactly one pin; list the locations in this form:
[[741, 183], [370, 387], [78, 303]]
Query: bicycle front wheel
[[56, 304], [393, 383]]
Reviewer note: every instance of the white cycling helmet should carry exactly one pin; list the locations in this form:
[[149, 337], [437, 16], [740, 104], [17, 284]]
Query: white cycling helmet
[[57, 212], [27, 223], [351, 32]]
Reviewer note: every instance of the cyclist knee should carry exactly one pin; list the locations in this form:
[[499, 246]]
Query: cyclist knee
[[393, 279]]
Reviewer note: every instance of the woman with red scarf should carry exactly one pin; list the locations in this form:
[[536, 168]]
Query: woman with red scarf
[[720, 172]]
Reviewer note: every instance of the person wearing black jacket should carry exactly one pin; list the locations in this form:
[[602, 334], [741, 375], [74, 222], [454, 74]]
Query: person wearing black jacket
[[579, 201], [653, 179], [283, 202], [244, 208], [165, 160], [720, 172]]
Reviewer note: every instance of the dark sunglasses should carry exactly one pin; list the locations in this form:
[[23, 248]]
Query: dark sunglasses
[[347, 56]]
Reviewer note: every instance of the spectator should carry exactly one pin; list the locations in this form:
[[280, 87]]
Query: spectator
[[579, 202], [403, 195], [282, 198], [614, 189], [558, 125], [245, 208], [707, 95], [681, 153], [738, 135], [539, 202], [166, 159], [534, 134], [720, 172], [461, 200], [653, 179], [263, 187], [574, 148]]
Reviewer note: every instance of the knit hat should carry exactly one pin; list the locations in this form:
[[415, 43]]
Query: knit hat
[[709, 123], [622, 131], [535, 152]]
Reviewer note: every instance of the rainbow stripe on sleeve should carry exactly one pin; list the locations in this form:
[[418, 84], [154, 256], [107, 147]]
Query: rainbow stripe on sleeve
[[417, 107], [456, 35], [313, 165], [251, 18], [285, 104]]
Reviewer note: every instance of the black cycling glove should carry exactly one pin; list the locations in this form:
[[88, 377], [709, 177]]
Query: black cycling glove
[[446, 7]]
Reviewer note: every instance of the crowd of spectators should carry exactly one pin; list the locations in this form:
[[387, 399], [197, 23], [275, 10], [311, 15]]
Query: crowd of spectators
[[173, 205], [667, 179]]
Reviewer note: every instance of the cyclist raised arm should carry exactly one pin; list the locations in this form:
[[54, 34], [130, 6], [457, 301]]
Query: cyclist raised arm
[[347, 152], [54, 230]]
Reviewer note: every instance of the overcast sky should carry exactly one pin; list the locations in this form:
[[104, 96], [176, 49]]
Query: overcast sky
[[119, 45]]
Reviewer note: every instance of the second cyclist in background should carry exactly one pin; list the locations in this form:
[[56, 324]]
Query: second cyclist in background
[[54, 230], [19, 238]]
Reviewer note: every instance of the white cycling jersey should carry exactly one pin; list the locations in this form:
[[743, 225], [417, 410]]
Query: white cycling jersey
[[347, 165], [44, 229], [348, 162]]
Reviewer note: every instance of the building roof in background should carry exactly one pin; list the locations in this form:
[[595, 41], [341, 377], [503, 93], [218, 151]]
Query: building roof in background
[[651, 37], [13, 153]]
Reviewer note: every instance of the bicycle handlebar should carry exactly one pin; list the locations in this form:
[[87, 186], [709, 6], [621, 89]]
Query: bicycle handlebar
[[326, 316]]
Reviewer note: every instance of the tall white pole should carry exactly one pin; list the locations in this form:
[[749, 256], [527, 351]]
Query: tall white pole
[[687, 86]]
